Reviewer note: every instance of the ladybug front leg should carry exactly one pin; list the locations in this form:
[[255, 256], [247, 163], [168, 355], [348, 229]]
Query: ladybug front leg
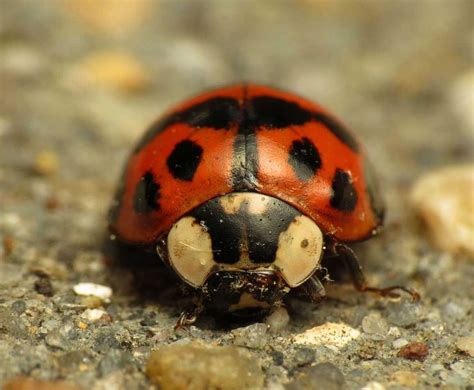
[[350, 260], [189, 316], [311, 290]]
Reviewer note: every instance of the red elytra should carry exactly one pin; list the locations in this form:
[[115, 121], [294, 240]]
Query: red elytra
[[247, 138]]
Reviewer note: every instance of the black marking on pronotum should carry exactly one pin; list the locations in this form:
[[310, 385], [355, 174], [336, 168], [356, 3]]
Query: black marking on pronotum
[[147, 194], [304, 158], [256, 233], [344, 196], [184, 160], [219, 113]]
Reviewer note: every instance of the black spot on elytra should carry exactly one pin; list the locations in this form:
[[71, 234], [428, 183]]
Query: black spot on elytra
[[147, 194], [219, 113], [304, 158], [184, 160], [344, 196], [268, 111]]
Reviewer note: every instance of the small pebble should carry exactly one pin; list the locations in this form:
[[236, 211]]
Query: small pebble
[[93, 289], [19, 307], [327, 376], [46, 163], [405, 378], [114, 70], [304, 356], [278, 319], [61, 337], [399, 343], [44, 287], [197, 367], [461, 97], [94, 315], [22, 383], [414, 351], [121, 16], [332, 335], [375, 326], [466, 344], [115, 360], [394, 331], [444, 200], [373, 386], [252, 336]]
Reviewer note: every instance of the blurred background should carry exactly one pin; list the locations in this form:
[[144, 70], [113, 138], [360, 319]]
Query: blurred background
[[81, 79]]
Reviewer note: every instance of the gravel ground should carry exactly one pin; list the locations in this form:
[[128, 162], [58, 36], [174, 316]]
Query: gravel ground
[[78, 86]]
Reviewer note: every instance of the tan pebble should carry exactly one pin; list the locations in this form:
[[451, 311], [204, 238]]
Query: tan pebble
[[115, 70], [82, 325], [22, 383], [46, 163], [445, 201], [111, 16], [466, 344], [83, 367], [197, 367], [332, 335], [405, 378]]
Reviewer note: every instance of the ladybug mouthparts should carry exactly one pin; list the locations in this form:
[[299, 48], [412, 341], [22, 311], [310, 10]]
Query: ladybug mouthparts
[[242, 292]]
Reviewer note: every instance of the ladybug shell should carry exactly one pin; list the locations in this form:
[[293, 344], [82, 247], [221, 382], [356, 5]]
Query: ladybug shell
[[247, 138]]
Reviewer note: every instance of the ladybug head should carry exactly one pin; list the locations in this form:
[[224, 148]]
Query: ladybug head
[[244, 249]]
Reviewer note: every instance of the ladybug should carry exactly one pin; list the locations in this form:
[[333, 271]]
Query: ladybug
[[243, 192]]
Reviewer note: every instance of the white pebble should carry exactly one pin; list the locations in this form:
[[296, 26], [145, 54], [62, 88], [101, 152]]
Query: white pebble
[[332, 335], [375, 326], [93, 289], [373, 386], [399, 343], [93, 314], [444, 201]]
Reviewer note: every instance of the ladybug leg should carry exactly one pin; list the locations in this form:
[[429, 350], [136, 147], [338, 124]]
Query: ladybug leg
[[349, 258], [189, 316], [312, 290]]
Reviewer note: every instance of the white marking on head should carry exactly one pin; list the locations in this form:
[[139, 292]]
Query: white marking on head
[[190, 251], [299, 251]]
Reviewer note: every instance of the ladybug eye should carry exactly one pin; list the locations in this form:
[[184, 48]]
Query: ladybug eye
[[299, 251], [190, 251]]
